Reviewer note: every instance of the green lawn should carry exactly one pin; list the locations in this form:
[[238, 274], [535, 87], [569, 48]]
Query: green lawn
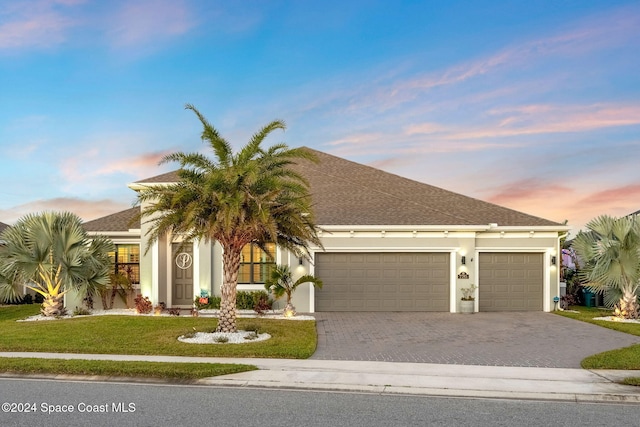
[[586, 314], [623, 358], [22, 365], [293, 339]]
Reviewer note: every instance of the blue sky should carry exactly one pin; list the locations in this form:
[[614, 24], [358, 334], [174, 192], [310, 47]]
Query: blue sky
[[531, 105]]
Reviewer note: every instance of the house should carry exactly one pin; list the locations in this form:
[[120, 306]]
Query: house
[[390, 244]]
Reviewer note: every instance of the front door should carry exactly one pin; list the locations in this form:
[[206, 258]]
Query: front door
[[182, 277]]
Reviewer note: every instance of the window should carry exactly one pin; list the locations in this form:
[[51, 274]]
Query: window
[[256, 264], [126, 260]]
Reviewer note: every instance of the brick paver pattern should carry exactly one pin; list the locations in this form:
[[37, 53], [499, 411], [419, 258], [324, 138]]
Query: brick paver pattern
[[534, 339]]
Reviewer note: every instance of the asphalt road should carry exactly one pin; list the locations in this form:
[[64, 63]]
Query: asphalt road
[[65, 403]]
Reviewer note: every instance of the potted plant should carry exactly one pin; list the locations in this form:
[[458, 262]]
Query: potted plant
[[467, 302], [204, 297]]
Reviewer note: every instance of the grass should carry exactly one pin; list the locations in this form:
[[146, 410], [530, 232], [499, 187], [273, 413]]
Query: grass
[[624, 358], [22, 365], [149, 335], [586, 314], [141, 335]]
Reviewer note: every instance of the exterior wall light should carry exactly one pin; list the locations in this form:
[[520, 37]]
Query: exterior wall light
[[553, 260], [463, 260]]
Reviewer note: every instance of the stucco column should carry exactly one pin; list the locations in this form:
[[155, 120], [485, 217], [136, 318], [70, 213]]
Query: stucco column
[[155, 274]]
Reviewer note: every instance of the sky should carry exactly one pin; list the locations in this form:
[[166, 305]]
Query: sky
[[532, 105]]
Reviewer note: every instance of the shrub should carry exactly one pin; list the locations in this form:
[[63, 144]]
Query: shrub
[[174, 311], [251, 336], [247, 300], [25, 299], [244, 300], [263, 304], [143, 304], [252, 327], [88, 302], [81, 311]]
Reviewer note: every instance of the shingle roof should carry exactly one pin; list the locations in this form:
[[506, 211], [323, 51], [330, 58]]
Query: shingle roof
[[119, 221], [349, 193], [2, 226]]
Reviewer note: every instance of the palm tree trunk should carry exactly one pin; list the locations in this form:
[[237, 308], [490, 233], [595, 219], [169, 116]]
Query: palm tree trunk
[[628, 306], [53, 306], [231, 265]]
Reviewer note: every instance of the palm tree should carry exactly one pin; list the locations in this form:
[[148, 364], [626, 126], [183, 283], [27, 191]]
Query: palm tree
[[281, 283], [51, 254], [252, 196], [610, 251]]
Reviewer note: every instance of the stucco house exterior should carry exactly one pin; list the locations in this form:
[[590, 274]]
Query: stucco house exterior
[[390, 244]]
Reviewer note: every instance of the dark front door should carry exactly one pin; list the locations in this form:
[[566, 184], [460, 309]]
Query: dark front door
[[182, 277]]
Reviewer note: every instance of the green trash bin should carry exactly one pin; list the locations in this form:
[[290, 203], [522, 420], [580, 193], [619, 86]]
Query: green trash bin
[[589, 298]]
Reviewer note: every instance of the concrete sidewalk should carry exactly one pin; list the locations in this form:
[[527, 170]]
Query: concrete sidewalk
[[560, 384]]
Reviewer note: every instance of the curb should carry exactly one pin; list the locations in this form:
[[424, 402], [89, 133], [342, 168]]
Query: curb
[[424, 391], [383, 390], [100, 378]]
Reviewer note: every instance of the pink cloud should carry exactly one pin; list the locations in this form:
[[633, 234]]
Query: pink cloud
[[91, 166], [627, 196], [139, 165], [528, 189], [536, 119], [85, 209], [583, 37], [35, 23], [424, 128], [147, 20], [569, 202]]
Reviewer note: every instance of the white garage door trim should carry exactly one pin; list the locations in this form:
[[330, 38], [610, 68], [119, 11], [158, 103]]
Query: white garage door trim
[[546, 269], [452, 266]]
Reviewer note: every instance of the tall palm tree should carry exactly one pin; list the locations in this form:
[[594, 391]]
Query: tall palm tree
[[610, 251], [252, 196], [51, 254], [281, 282]]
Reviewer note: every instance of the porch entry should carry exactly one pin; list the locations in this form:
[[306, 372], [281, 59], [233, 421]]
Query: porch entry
[[182, 274]]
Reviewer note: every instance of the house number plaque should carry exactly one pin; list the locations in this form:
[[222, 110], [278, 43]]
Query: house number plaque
[[184, 260]]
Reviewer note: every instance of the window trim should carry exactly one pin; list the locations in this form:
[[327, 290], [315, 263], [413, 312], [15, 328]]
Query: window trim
[[116, 264], [252, 264]]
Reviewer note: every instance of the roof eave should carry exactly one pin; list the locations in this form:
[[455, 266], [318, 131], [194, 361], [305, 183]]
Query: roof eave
[[451, 227]]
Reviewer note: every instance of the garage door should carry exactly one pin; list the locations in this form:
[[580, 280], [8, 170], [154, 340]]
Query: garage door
[[510, 282], [382, 281]]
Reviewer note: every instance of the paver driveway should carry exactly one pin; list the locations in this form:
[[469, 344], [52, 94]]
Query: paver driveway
[[496, 339]]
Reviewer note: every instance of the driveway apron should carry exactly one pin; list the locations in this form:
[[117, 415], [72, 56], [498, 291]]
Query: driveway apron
[[528, 339]]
